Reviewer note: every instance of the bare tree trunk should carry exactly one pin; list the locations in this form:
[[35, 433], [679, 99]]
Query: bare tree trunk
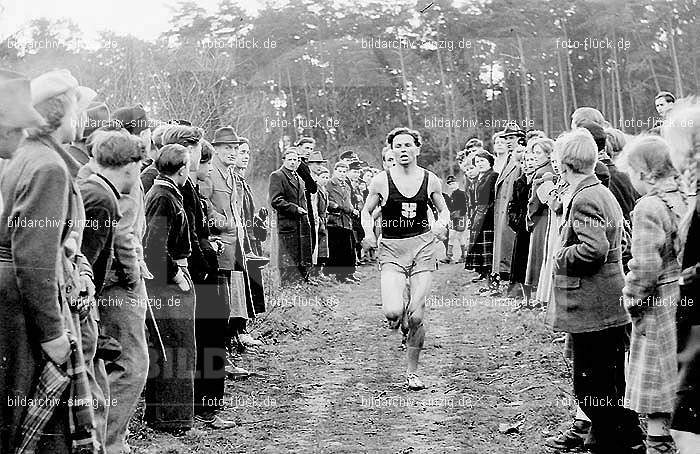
[[524, 79], [543, 87], [493, 94], [601, 75], [291, 104], [405, 90], [306, 94], [653, 74], [506, 95], [631, 97], [562, 88], [613, 99], [571, 69], [676, 66], [447, 108], [518, 102], [616, 68]]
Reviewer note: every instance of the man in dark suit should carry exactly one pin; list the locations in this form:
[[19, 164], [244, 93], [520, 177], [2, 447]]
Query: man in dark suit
[[288, 198], [305, 147]]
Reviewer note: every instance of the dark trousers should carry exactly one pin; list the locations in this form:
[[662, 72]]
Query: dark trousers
[[170, 384], [599, 386], [211, 318], [341, 252]]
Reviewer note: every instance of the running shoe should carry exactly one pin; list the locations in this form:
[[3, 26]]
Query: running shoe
[[215, 422], [248, 340], [414, 383]]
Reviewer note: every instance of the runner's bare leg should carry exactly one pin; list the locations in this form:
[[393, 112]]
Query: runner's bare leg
[[392, 298], [420, 286]]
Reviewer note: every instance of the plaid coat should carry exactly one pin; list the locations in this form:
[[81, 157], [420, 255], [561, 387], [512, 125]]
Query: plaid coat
[[652, 293], [480, 255]]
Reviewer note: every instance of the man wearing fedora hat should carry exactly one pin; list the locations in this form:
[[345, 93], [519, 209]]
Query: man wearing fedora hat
[[228, 224], [255, 233], [43, 276]]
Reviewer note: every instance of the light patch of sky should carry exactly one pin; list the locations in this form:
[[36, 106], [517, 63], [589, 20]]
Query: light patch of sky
[[145, 19]]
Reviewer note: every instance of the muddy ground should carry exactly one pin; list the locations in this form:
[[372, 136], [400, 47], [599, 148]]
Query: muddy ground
[[329, 378]]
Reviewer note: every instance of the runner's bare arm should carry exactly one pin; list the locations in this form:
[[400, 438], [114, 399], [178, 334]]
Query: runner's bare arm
[[443, 219], [373, 201]]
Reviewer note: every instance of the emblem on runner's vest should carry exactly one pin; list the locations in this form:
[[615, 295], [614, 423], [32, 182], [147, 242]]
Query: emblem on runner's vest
[[408, 209]]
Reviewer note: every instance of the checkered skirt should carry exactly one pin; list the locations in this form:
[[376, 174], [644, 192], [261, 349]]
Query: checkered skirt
[[480, 255], [652, 375]]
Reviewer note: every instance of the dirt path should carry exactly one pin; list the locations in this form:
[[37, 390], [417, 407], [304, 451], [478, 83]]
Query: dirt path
[[331, 378]]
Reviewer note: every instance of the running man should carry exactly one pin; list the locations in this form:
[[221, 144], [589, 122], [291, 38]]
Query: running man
[[407, 245]]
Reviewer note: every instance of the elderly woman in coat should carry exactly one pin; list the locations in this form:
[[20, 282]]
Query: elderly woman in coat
[[651, 291], [37, 250], [588, 283]]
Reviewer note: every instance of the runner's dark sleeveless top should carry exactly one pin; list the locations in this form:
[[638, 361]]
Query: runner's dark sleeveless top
[[405, 217]]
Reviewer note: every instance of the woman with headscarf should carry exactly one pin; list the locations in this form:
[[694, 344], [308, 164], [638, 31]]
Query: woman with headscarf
[[480, 253]]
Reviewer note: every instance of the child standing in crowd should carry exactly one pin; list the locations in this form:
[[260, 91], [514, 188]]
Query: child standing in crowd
[[651, 291], [322, 178], [458, 211], [466, 164], [517, 212], [537, 211]]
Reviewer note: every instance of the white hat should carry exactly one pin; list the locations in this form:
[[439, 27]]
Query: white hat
[[53, 83], [16, 110]]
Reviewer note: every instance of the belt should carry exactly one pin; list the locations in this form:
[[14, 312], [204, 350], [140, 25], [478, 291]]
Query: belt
[[5, 254], [181, 262]]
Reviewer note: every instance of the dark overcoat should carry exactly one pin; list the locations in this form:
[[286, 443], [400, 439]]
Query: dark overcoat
[[287, 195]]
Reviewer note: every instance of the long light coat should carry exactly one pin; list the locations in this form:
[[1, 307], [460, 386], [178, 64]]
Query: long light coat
[[504, 236]]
